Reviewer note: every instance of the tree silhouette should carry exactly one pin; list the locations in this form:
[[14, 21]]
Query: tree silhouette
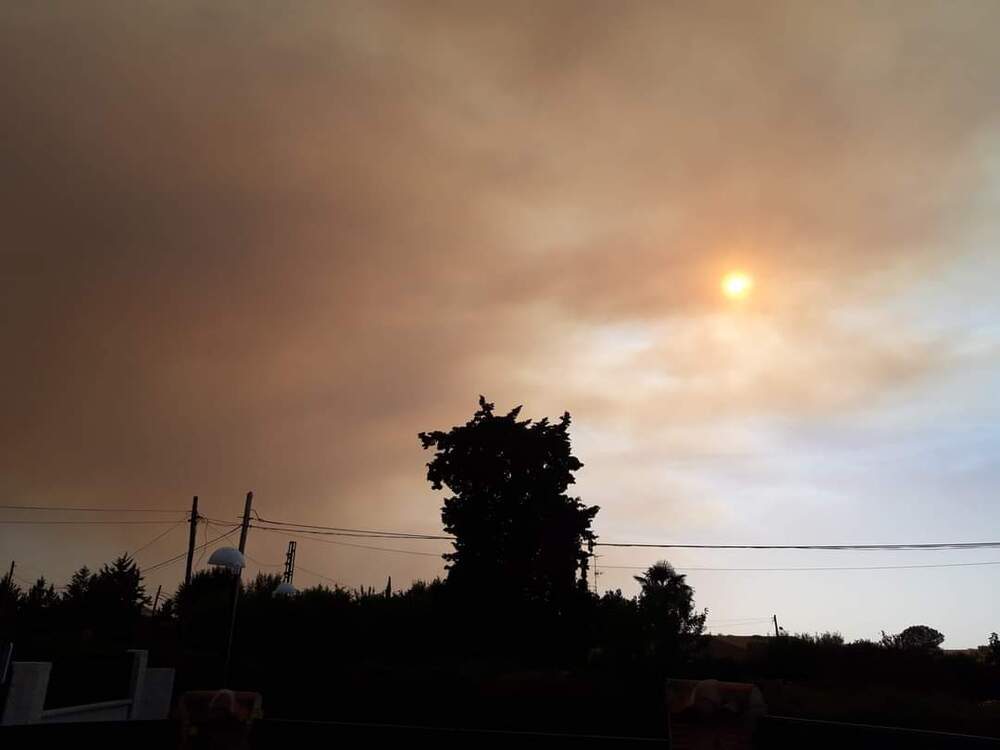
[[262, 586], [78, 589], [10, 592], [666, 606], [116, 596], [617, 628], [119, 586], [41, 596], [35, 613], [10, 597], [917, 638], [993, 650], [518, 536], [203, 607]]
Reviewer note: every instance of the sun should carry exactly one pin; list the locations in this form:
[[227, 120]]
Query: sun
[[737, 285]]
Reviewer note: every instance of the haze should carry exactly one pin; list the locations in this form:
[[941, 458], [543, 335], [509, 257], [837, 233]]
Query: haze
[[262, 246]]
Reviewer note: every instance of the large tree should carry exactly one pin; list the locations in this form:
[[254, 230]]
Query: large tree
[[518, 535], [118, 586], [41, 596], [78, 589], [115, 596], [915, 638]]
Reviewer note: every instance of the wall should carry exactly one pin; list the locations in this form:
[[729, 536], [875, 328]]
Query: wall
[[149, 698]]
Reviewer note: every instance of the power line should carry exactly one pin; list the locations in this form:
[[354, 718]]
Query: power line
[[739, 619], [157, 538], [151, 568], [182, 555], [258, 563], [214, 521], [70, 508], [344, 531], [912, 546], [319, 575], [355, 535], [19, 522], [835, 547], [299, 535], [298, 567], [204, 545], [40, 578], [816, 569]]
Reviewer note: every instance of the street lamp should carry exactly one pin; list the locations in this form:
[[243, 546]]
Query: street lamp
[[285, 588], [233, 560], [228, 557]]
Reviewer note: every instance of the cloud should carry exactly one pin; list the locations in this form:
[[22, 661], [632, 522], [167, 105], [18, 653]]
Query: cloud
[[268, 245]]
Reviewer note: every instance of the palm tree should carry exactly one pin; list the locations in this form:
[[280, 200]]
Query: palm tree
[[666, 605]]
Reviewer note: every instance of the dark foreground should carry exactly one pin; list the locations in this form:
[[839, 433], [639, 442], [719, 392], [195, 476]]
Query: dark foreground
[[772, 732]]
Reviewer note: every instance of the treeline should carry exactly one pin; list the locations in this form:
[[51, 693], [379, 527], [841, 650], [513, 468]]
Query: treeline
[[427, 650], [912, 657], [902, 679], [103, 606], [424, 651], [658, 627]]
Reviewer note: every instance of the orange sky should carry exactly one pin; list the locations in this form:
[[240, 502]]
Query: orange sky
[[261, 248]]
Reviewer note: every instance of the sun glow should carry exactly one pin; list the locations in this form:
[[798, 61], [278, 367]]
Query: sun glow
[[737, 285]]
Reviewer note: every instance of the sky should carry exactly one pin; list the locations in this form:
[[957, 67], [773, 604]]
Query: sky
[[262, 246]]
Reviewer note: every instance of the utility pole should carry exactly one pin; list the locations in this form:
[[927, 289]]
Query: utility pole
[[156, 599], [192, 534], [10, 573], [776, 631], [289, 563], [246, 522], [244, 528], [590, 553]]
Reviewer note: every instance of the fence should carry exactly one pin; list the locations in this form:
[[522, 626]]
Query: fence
[[149, 696]]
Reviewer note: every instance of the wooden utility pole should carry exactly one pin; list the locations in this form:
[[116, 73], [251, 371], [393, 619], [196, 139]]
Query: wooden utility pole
[[10, 573], [191, 538], [156, 599], [246, 522], [776, 631], [593, 557]]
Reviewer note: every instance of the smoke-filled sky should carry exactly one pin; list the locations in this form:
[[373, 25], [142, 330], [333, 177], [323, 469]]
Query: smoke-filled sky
[[261, 246]]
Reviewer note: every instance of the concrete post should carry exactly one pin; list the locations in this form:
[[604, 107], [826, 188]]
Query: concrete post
[[29, 681], [137, 682], [157, 695]]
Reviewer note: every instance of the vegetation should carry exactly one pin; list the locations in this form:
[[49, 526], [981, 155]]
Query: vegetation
[[518, 537], [919, 638]]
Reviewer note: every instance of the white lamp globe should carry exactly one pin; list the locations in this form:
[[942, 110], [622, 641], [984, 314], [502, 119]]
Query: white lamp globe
[[285, 589], [228, 557]]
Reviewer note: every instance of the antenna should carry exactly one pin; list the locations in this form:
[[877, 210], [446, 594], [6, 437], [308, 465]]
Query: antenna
[[289, 563]]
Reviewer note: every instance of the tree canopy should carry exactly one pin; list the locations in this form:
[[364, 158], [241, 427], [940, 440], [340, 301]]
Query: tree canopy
[[517, 533], [915, 638], [666, 603]]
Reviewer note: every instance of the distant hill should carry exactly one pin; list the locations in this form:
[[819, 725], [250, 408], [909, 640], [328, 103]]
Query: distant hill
[[736, 647]]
